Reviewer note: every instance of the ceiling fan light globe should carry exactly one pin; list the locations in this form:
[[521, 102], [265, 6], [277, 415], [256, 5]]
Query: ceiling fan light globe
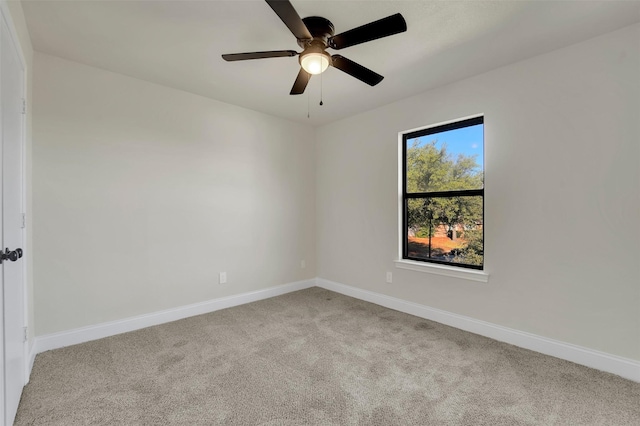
[[314, 62]]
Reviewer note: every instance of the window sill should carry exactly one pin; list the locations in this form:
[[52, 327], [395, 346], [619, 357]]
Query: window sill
[[449, 271]]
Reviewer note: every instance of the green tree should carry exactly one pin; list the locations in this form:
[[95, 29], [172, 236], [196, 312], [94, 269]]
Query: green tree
[[473, 253], [431, 168]]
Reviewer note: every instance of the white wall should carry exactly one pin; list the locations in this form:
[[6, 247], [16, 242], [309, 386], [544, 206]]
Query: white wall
[[20, 25], [562, 158], [143, 194]]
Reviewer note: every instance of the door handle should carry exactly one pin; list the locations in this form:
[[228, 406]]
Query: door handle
[[10, 255]]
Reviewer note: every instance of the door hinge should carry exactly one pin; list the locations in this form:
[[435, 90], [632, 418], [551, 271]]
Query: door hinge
[[24, 106], [24, 221], [26, 333]]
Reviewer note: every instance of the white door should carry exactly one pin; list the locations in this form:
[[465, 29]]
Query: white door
[[11, 124]]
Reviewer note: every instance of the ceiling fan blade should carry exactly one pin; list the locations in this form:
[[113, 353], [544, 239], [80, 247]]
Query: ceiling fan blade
[[301, 82], [384, 27], [356, 70], [284, 9], [258, 55]]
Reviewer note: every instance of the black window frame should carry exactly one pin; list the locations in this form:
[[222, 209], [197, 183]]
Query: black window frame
[[438, 194]]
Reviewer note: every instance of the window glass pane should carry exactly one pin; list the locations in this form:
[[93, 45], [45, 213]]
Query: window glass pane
[[446, 161], [445, 229]]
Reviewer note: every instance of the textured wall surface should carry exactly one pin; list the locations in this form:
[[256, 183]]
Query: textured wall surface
[[143, 194], [562, 200]]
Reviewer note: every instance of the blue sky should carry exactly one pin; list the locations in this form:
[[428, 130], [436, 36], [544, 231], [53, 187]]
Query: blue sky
[[467, 141]]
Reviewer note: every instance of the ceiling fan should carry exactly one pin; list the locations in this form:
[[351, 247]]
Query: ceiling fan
[[315, 34]]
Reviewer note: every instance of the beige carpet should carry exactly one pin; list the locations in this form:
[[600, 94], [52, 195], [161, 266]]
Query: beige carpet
[[316, 357]]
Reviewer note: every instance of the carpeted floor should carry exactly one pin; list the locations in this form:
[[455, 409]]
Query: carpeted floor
[[316, 357]]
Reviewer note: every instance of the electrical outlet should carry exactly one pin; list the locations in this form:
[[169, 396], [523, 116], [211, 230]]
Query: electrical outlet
[[389, 277], [303, 264], [223, 277]]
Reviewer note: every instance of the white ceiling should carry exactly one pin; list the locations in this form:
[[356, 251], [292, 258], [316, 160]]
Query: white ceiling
[[179, 43]]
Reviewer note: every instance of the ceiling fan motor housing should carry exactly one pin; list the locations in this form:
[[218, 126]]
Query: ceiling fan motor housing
[[320, 28]]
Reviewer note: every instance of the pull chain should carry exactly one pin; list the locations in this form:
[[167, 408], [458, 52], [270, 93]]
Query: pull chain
[[321, 89], [308, 98]]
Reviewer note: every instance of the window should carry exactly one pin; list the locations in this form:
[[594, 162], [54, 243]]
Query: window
[[443, 194]]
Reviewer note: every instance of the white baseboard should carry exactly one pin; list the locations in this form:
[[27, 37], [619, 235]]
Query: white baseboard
[[99, 331], [624, 367]]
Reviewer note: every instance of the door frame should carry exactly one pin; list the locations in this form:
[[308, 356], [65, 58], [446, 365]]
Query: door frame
[[7, 20]]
